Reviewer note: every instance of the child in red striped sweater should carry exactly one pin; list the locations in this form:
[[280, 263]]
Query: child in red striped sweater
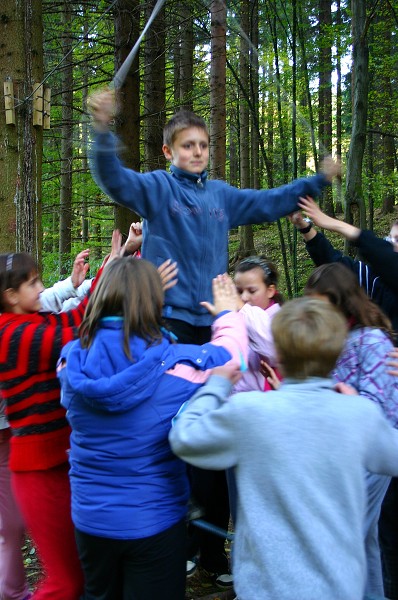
[[30, 344]]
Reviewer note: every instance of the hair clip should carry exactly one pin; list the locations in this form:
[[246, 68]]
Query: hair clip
[[9, 261], [256, 261]]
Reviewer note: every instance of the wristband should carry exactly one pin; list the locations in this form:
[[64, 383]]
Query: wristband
[[306, 229]]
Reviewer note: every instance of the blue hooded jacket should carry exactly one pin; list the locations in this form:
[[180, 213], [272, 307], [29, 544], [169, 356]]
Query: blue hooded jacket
[[126, 482], [187, 218]]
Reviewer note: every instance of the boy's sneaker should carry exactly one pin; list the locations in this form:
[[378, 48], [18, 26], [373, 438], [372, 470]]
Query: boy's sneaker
[[191, 568], [224, 581]]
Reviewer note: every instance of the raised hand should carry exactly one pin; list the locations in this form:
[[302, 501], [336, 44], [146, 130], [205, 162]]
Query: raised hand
[[134, 239], [80, 268], [225, 296], [168, 272], [312, 209], [331, 168], [102, 108]]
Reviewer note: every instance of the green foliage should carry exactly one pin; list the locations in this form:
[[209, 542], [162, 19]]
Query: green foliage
[[93, 66]]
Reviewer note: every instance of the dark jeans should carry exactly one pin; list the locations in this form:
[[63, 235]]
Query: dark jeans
[[209, 488], [189, 334], [144, 569], [388, 538]]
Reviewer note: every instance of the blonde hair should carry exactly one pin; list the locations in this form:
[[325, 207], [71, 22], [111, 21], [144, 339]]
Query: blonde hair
[[309, 335], [132, 289]]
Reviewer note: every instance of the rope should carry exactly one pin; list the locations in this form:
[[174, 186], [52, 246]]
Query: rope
[[121, 74]]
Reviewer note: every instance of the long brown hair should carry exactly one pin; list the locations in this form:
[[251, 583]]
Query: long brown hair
[[341, 286], [130, 288]]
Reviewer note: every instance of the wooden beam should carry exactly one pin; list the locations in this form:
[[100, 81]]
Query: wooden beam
[[38, 104], [9, 102], [46, 107]]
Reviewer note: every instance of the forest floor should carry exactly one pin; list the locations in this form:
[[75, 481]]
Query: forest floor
[[199, 587]]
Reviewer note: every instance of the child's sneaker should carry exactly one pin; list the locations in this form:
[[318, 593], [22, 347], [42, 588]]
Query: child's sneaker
[[224, 581], [191, 568]]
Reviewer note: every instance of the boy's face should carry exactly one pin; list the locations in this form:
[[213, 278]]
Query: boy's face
[[190, 150]]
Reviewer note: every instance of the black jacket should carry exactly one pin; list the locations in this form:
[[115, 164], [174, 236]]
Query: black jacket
[[377, 272]]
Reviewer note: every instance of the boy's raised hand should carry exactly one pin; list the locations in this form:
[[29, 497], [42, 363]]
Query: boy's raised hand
[[225, 296], [102, 107], [331, 168]]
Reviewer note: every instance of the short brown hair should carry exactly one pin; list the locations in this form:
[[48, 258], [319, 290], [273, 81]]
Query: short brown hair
[[130, 288], [309, 335], [183, 119]]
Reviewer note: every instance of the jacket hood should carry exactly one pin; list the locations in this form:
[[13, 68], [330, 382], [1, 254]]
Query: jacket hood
[[110, 381], [105, 376]]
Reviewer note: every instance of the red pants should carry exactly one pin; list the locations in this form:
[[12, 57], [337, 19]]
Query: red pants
[[44, 500]]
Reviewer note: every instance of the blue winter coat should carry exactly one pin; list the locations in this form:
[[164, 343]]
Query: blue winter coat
[[126, 482]]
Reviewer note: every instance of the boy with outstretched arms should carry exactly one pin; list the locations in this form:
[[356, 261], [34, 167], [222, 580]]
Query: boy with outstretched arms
[[186, 216]]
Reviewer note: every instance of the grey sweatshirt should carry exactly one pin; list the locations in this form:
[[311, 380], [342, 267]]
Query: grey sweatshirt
[[299, 454]]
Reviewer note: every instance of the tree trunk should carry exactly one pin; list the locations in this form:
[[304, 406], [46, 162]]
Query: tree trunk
[[254, 89], [154, 90], [21, 65], [65, 215], [246, 240], [186, 58], [217, 89], [354, 201], [303, 33], [325, 91], [339, 204], [127, 23]]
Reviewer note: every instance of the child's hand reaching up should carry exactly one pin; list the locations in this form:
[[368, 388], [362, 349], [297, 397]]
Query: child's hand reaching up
[[168, 272], [225, 296]]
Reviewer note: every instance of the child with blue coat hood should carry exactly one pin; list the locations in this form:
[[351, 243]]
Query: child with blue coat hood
[[122, 383]]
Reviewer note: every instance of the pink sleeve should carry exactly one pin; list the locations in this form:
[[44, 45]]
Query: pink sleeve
[[228, 331]]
